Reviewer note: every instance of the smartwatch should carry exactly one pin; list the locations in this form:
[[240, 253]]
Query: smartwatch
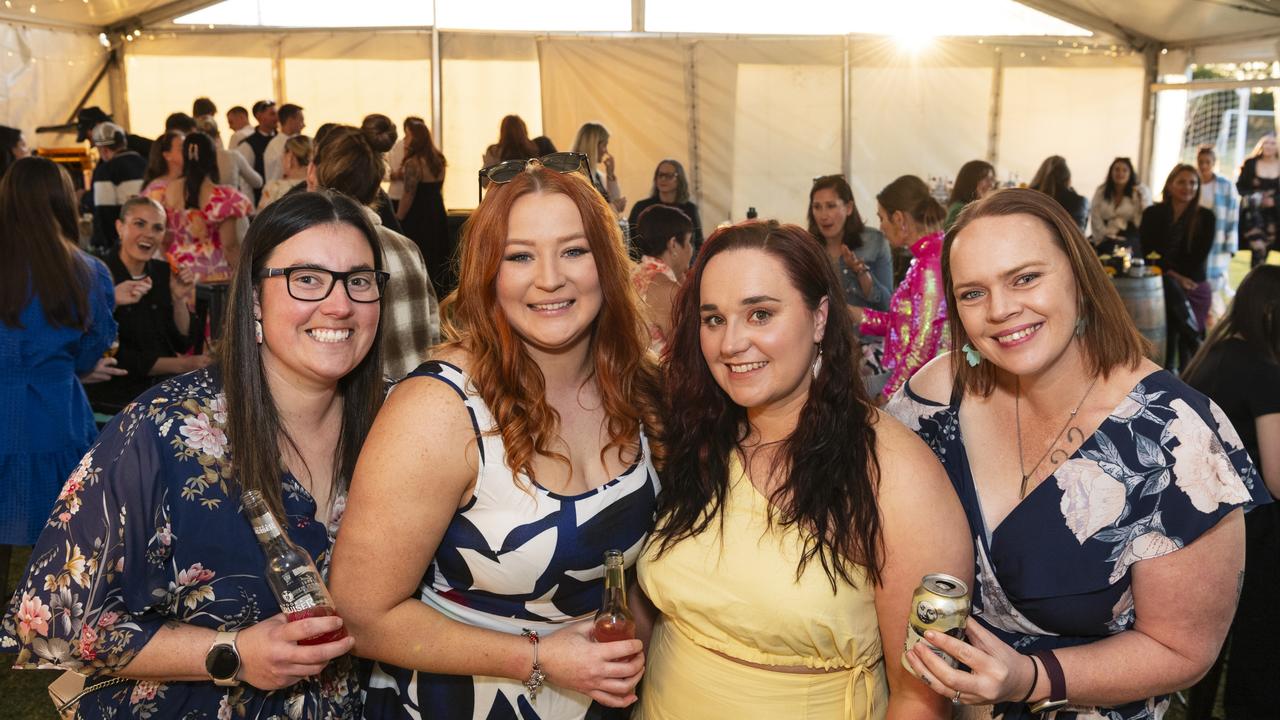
[[1057, 683], [222, 662]]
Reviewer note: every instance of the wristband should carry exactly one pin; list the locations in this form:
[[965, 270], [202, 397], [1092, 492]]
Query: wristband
[[1035, 677], [536, 676], [1057, 683]]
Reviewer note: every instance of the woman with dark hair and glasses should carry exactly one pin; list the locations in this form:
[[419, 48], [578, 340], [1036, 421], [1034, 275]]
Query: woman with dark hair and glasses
[[975, 179], [499, 473], [859, 254], [795, 519], [670, 187], [147, 570], [1116, 211]]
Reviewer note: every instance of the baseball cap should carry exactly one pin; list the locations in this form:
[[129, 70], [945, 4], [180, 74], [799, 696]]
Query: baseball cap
[[107, 133], [87, 120]]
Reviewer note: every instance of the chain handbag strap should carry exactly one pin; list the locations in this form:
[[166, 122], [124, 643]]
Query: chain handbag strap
[[65, 706]]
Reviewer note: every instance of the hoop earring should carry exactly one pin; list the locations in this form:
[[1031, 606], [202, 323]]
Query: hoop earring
[[971, 356], [257, 330]]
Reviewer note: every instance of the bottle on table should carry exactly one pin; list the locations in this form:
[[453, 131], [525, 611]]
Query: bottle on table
[[614, 621], [290, 571]]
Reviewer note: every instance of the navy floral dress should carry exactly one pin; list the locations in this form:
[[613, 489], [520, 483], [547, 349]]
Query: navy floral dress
[[1160, 471], [145, 532]]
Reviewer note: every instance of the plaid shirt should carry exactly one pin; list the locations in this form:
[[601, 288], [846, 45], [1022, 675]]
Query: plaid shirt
[[1225, 211], [410, 313]]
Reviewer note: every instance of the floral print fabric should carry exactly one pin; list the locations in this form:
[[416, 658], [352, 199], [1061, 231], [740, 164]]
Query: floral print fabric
[[195, 239], [146, 531], [1160, 471]]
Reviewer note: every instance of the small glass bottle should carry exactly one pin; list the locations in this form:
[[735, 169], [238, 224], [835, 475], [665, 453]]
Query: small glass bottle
[[290, 571], [614, 621]]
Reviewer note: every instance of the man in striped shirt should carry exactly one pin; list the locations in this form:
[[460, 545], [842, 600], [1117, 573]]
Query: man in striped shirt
[[116, 178]]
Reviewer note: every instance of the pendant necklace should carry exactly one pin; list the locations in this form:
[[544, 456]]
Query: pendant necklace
[[1017, 414]]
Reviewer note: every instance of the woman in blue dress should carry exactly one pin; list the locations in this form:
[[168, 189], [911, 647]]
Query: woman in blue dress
[[1104, 496], [147, 578], [499, 473], [55, 324]]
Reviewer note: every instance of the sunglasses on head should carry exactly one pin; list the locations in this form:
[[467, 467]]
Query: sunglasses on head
[[508, 170]]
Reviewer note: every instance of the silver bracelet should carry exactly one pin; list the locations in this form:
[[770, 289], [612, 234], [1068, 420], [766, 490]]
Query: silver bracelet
[[536, 677]]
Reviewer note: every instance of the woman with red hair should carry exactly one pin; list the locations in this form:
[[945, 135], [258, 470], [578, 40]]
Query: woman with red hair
[[501, 471]]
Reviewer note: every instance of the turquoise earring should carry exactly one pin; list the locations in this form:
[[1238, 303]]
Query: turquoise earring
[[971, 356]]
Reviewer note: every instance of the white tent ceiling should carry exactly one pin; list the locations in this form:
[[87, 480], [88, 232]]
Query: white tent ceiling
[[1173, 23]]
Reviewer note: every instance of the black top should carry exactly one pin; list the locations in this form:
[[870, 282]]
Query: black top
[[688, 208], [114, 181], [147, 332], [1076, 205], [1243, 384], [259, 143], [1249, 182], [1183, 246]]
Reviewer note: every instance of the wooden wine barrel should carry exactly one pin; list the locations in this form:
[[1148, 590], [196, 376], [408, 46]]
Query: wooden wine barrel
[[1144, 299]]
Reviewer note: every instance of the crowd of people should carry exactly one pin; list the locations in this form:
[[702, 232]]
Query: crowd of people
[[779, 433]]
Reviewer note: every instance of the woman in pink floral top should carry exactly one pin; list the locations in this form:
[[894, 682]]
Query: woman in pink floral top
[[915, 326], [202, 214], [664, 237]]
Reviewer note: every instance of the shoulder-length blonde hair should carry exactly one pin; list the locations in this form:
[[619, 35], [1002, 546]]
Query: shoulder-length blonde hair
[[1108, 336], [506, 377]]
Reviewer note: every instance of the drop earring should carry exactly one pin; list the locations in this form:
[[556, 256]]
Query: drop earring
[[257, 330], [971, 356], [816, 367]]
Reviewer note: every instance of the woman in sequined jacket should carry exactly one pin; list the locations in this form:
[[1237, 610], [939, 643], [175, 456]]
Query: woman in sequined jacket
[[915, 325]]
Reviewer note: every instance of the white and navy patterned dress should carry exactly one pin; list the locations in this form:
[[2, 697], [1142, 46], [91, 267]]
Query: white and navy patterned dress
[[1161, 470], [516, 556]]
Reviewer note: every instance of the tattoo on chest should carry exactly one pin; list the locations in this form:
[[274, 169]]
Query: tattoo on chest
[[1075, 438]]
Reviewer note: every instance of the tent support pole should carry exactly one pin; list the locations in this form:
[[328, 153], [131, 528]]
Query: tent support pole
[[117, 88], [1146, 147], [997, 106], [437, 91], [277, 71], [637, 16], [846, 111], [691, 100]]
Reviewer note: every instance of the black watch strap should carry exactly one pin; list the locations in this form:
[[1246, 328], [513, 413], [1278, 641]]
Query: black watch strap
[[1057, 682]]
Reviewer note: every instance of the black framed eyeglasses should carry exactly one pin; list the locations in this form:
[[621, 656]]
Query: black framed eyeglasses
[[313, 284], [508, 170]]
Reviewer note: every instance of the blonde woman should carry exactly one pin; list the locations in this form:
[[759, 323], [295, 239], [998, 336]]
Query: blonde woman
[[297, 156], [593, 141]]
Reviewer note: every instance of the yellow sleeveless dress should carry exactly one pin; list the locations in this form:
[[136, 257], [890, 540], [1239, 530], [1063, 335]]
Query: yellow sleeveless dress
[[734, 590]]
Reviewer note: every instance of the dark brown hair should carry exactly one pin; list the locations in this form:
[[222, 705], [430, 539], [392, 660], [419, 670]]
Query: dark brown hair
[[254, 428], [37, 228], [418, 143], [508, 379], [828, 464], [513, 140], [157, 166], [910, 196], [1109, 338], [1253, 317], [853, 225], [380, 131], [965, 189], [346, 162]]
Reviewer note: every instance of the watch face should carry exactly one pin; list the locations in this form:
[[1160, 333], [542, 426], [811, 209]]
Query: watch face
[[222, 662]]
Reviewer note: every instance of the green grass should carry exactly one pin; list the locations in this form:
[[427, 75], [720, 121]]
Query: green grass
[[24, 692]]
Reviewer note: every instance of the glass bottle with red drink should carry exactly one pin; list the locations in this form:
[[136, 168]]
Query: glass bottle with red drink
[[290, 571], [614, 621]]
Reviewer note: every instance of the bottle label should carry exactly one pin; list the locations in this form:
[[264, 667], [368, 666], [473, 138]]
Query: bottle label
[[265, 527], [302, 590]]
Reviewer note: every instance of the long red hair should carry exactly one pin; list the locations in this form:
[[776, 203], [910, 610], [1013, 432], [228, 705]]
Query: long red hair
[[509, 381]]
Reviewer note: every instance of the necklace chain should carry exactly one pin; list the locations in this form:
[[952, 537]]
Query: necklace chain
[[1017, 415]]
